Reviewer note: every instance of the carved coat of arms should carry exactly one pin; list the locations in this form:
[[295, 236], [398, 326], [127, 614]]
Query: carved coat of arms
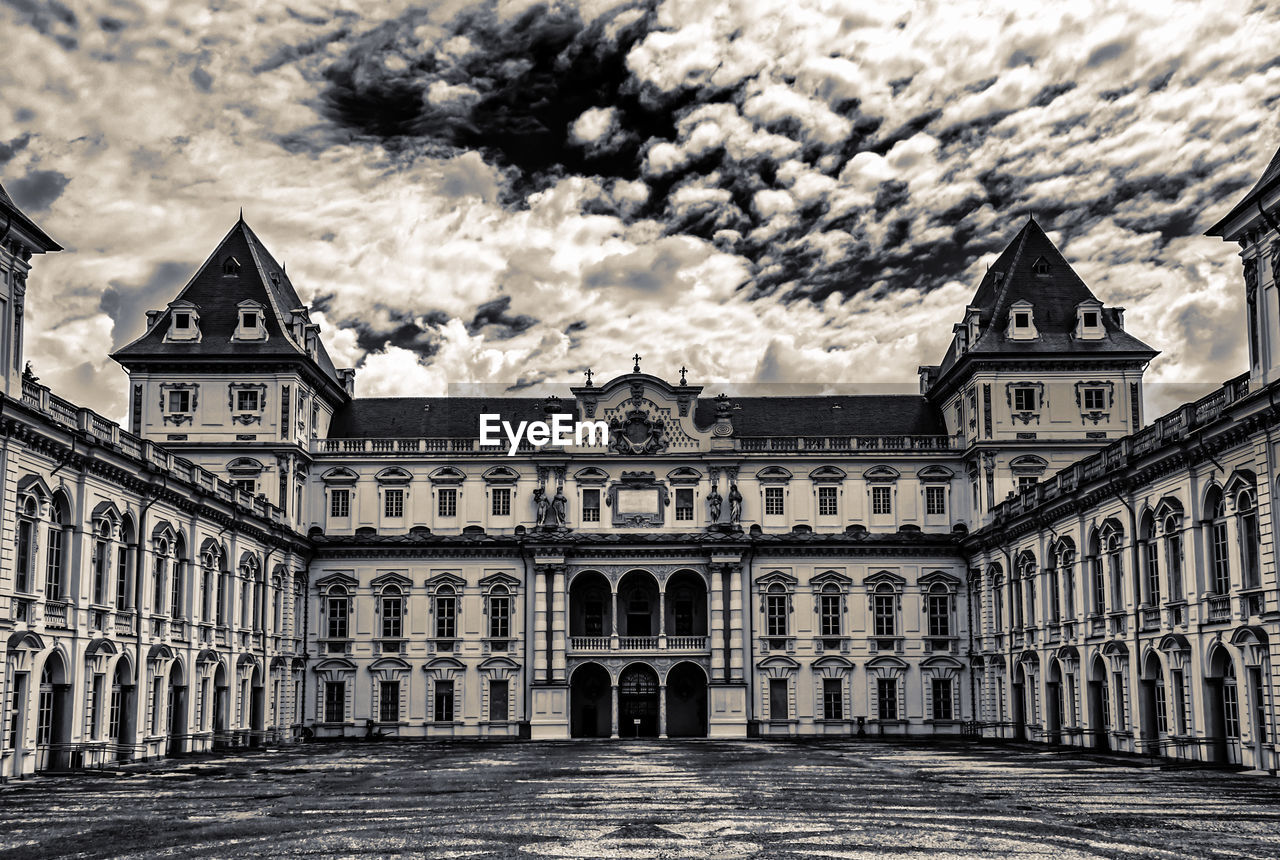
[[638, 433]]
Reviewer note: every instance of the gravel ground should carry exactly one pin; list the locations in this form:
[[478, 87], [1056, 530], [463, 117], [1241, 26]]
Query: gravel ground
[[668, 799]]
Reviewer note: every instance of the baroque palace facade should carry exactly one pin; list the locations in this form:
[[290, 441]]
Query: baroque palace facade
[[1013, 552]]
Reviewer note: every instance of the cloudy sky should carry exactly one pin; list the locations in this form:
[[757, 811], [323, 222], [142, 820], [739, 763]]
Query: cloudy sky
[[762, 190]]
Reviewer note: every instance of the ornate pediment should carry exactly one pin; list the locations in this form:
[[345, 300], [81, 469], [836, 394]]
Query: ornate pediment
[[637, 432]]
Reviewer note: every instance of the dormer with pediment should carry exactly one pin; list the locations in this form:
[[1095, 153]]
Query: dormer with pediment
[[645, 414]]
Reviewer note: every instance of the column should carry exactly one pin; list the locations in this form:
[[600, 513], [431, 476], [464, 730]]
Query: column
[[558, 641], [662, 617], [614, 607], [613, 720], [539, 625], [662, 710], [737, 644], [717, 623]]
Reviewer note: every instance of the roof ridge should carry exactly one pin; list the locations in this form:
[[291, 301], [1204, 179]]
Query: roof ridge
[[253, 242]]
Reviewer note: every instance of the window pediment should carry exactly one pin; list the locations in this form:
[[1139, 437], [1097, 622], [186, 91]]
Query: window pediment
[[391, 578], [884, 577], [684, 476], [447, 475], [776, 577], [339, 475], [342, 578], [827, 474], [393, 475], [501, 475], [773, 475], [935, 473], [881, 474], [499, 578], [939, 576]]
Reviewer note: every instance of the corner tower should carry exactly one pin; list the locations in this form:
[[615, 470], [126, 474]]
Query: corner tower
[[1039, 372], [1254, 224], [20, 239], [232, 373]]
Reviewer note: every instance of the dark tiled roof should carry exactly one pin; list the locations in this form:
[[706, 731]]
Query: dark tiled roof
[[853, 415], [1270, 177], [430, 417], [1054, 296], [459, 417], [9, 210], [905, 538], [260, 279]]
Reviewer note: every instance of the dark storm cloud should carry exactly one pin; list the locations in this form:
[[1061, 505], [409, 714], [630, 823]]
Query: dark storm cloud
[[48, 18], [496, 319], [38, 189], [8, 149], [127, 304]]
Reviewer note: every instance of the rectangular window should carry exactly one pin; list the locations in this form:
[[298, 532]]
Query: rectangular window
[[1153, 572], [591, 506], [22, 576], [113, 714], [94, 717], [779, 706], [182, 320], [830, 614], [501, 501], [881, 501], [335, 701], [392, 616], [885, 615], [1179, 702], [1162, 708], [157, 705], [389, 702], [499, 617], [499, 709], [180, 401], [248, 485], [101, 569], [1024, 399], [175, 590], [393, 503], [340, 503], [942, 704], [247, 400], [444, 702], [935, 501], [447, 502], [446, 618], [887, 698], [336, 617], [1173, 560], [684, 504], [53, 564], [1026, 482], [248, 319], [1090, 319], [832, 699], [122, 577], [1095, 399], [1099, 586], [1221, 564], [1230, 711], [773, 501], [828, 506], [939, 615], [776, 615]]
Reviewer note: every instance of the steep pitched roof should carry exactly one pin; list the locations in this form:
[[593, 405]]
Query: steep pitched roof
[[217, 296], [430, 417], [11, 215], [1054, 293], [1270, 178]]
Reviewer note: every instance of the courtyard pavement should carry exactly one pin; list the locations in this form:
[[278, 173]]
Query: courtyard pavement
[[654, 799]]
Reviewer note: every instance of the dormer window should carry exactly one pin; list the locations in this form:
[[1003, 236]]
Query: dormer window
[[251, 322], [1040, 266], [184, 322], [1089, 321], [1022, 322], [230, 266]]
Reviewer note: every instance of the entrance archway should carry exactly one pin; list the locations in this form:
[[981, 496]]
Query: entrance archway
[[177, 710], [638, 702], [1152, 692], [220, 695], [121, 714], [590, 705], [257, 698], [1099, 705], [1053, 702], [1224, 707], [687, 701], [53, 717]]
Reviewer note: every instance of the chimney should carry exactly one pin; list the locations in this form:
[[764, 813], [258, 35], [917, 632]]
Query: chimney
[[348, 377], [152, 317]]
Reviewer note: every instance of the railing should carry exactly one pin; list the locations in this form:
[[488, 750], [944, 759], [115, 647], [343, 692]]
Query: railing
[[1219, 607], [686, 643], [1172, 427], [90, 423], [124, 622], [589, 643], [55, 615], [468, 445], [463, 445]]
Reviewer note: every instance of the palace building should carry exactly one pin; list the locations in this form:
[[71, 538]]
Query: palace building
[[1016, 551]]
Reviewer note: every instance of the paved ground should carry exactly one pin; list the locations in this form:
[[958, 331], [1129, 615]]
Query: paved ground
[[670, 799]]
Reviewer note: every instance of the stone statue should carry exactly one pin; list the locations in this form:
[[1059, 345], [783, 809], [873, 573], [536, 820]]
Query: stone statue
[[560, 507], [543, 506], [713, 502], [735, 504]]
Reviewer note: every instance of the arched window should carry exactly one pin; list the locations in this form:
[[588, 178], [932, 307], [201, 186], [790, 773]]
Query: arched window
[[829, 620], [939, 609], [392, 610], [1173, 555], [499, 612], [102, 532], [1066, 562], [446, 613], [997, 600], [124, 558], [775, 610], [1028, 576], [56, 553], [178, 589], [1150, 560], [1053, 587], [277, 605], [1098, 578], [28, 510], [223, 592], [210, 567], [1247, 521], [1219, 558], [160, 549], [337, 611], [884, 605], [1113, 542]]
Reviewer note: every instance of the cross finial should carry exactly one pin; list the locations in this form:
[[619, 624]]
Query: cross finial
[[683, 371], [636, 359], [587, 374]]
